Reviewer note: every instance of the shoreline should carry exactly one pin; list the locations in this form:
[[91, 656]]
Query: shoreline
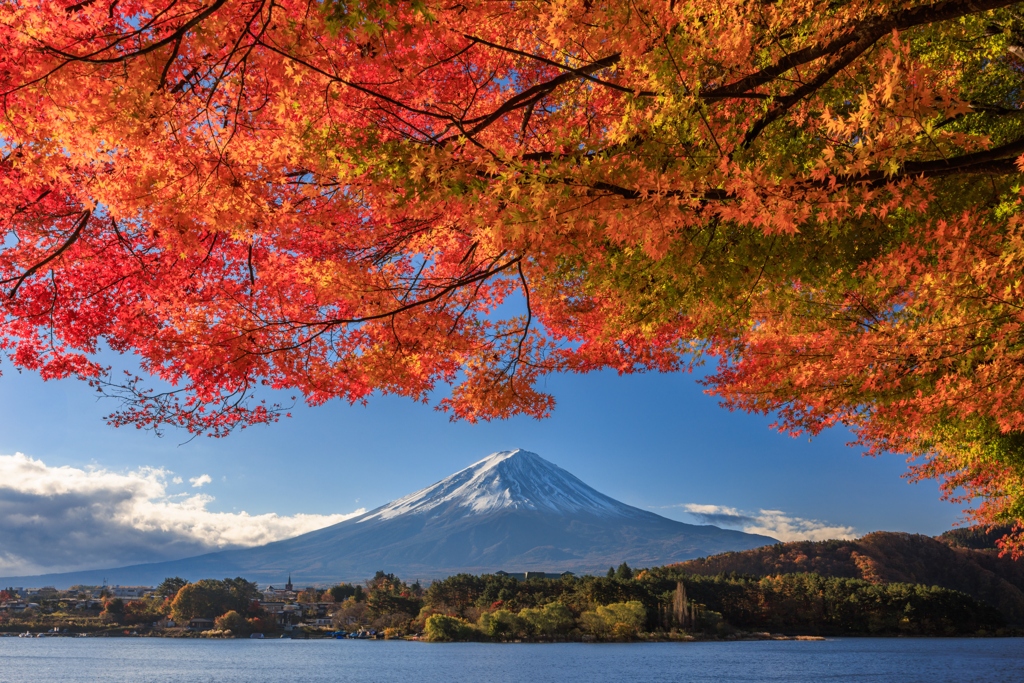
[[761, 636], [746, 637]]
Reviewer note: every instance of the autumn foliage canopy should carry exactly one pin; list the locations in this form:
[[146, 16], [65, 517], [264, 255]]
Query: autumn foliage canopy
[[347, 196]]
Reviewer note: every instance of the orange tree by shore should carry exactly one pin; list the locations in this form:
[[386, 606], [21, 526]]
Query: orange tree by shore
[[337, 197]]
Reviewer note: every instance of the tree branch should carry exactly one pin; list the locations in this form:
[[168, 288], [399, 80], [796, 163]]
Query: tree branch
[[176, 35], [64, 247], [867, 31]]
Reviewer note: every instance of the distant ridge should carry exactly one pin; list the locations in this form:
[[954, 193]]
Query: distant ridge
[[891, 557], [512, 510]]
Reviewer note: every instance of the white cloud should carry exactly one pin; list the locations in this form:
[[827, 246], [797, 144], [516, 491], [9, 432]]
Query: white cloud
[[200, 481], [177, 480], [63, 518], [774, 523]]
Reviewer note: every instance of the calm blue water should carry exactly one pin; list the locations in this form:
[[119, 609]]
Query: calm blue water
[[134, 660]]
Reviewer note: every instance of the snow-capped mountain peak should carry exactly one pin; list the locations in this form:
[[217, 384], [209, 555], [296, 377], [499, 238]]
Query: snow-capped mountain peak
[[512, 510], [518, 480]]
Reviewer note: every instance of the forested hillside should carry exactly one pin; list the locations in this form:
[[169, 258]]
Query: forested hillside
[[957, 560], [667, 600]]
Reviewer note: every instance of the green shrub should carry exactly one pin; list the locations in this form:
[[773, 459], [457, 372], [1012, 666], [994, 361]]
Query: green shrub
[[232, 621], [504, 625], [617, 620], [553, 619], [442, 628]]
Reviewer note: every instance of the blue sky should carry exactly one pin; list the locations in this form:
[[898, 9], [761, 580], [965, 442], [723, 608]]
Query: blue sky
[[654, 441]]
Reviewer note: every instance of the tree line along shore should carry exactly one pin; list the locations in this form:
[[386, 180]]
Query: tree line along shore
[[660, 603]]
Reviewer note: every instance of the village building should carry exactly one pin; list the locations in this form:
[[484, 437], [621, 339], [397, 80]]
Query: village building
[[286, 593], [525, 576]]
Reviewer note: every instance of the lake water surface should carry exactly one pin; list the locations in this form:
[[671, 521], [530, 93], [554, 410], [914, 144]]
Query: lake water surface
[[154, 660]]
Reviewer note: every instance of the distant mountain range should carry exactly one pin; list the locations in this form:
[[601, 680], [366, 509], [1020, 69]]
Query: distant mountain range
[[964, 559], [511, 511]]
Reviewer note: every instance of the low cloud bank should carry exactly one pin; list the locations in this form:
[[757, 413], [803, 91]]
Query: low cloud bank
[[55, 519], [774, 523]]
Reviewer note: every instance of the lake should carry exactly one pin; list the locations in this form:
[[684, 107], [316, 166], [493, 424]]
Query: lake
[[155, 660]]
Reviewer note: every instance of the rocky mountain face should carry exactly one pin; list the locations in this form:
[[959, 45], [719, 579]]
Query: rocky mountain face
[[511, 511]]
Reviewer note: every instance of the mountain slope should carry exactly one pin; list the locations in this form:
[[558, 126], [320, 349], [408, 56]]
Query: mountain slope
[[887, 557], [512, 510]]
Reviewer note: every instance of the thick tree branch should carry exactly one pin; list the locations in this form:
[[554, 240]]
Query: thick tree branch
[[563, 67], [1001, 160], [175, 36], [323, 326], [786, 103], [868, 31], [531, 96], [64, 247]]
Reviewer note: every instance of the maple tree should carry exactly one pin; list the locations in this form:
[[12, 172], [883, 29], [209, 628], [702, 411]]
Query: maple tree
[[342, 197]]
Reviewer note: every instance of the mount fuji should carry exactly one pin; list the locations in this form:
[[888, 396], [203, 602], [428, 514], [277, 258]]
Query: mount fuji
[[512, 511]]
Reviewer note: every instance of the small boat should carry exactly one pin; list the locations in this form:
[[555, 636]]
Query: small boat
[[26, 634]]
